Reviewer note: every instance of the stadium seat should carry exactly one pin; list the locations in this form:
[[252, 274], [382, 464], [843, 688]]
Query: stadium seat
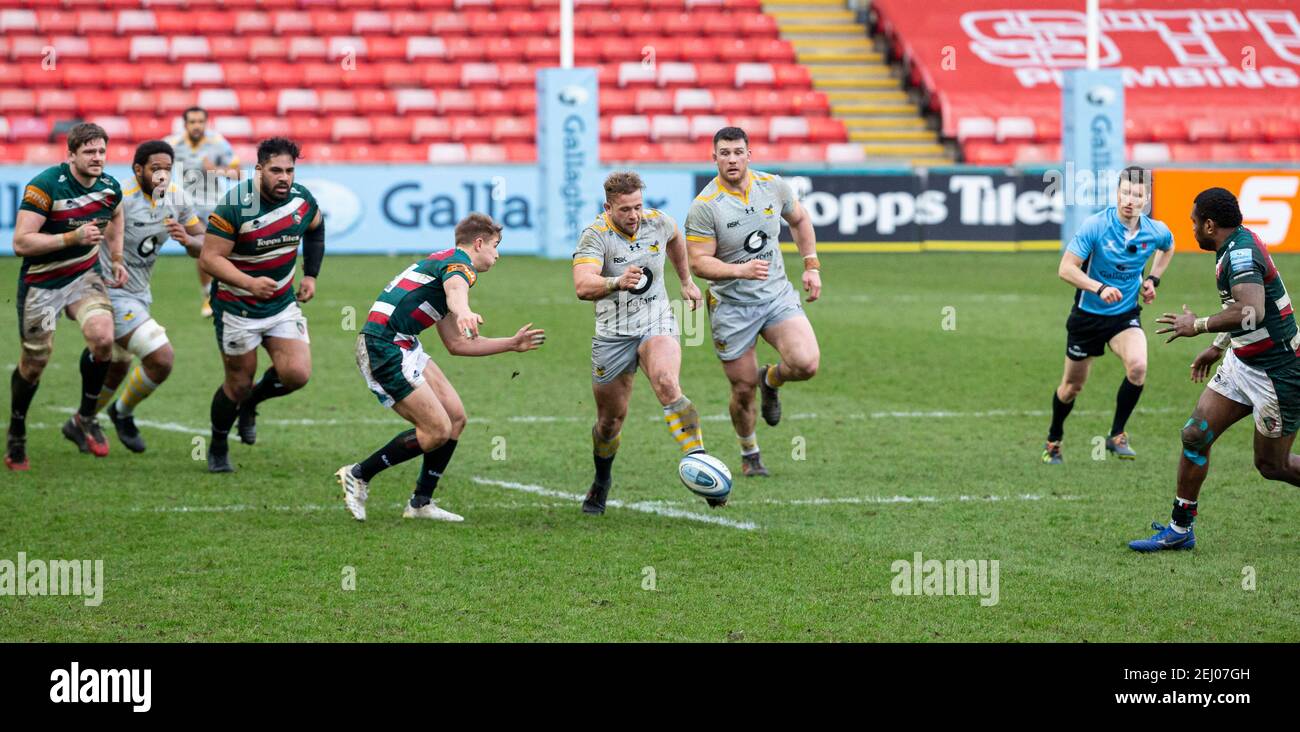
[[1014, 129], [225, 48], [514, 129], [257, 101], [1281, 129], [976, 128], [219, 100], [670, 127], [635, 73], [307, 48], [629, 127], [430, 129], [55, 101], [151, 128], [94, 101], [149, 48], [349, 129], [26, 128], [1149, 153], [415, 100], [233, 127], [845, 152], [392, 129], [453, 102], [337, 101], [309, 129], [788, 128], [249, 24], [653, 101], [493, 101], [471, 129], [754, 74], [617, 101], [686, 101], [1169, 130], [118, 128], [175, 101], [448, 153], [202, 75], [136, 21], [264, 127], [1206, 129], [704, 126], [422, 47]]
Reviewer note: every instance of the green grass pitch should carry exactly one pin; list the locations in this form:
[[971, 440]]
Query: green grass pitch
[[903, 408]]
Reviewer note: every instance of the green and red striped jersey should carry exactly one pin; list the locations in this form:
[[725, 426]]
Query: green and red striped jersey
[[66, 206], [266, 235], [415, 299], [1271, 343]]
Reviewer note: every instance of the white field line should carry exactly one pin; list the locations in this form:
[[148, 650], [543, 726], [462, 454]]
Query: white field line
[[316, 507], [658, 508], [547, 419]]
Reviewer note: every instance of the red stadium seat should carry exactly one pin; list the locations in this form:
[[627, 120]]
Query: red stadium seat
[[485, 24], [56, 21], [350, 129], [1206, 129], [264, 127], [376, 101], [257, 101], [826, 129], [471, 129], [1169, 130], [617, 101], [150, 128], [454, 102], [493, 101], [517, 75], [392, 129], [654, 101], [514, 129], [440, 76], [465, 48], [449, 24], [523, 101], [386, 49], [276, 74], [309, 129], [448, 153], [56, 101], [219, 100], [415, 100], [1281, 129], [175, 101], [337, 101], [520, 152], [27, 128], [225, 48], [402, 152], [95, 101], [1245, 129], [249, 24], [430, 129]]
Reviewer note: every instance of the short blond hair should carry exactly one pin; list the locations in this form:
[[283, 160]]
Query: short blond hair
[[621, 183], [475, 225]]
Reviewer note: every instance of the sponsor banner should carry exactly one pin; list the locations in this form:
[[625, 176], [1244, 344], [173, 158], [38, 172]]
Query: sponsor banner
[[1270, 203], [410, 209], [1092, 140], [1176, 58], [950, 209], [568, 147]]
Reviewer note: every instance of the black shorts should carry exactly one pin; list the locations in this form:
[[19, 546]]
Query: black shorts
[[1088, 333]]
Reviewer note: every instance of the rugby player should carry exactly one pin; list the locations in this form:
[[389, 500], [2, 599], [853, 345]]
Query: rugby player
[[1104, 261], [251, 251], [1260, 374], [733, 230], [619, 263], [434, 291], [204, 158], [155, 210], [68, 212]]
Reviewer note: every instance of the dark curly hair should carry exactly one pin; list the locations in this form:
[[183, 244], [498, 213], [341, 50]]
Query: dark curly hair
[[271, 147], [1220, 206]]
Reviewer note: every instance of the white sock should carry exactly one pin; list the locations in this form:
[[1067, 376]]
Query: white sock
[[1177, 529]]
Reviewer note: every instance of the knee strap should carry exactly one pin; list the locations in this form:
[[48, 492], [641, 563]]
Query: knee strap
[[147, 338], [1194, 449]]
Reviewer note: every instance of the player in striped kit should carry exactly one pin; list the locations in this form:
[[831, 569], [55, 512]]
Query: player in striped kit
[[203, 159], [251, 251], [431, 292], [619, 264], [67, 212], [156, 209]]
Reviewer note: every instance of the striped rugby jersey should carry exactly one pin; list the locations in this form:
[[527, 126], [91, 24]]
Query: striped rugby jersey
[[414, 300], [66, 206], [1272, 342], [266, 235]]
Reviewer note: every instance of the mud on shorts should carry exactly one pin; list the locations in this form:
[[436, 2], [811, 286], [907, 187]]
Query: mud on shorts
[[1274, 396], [238, 335], [39, 308], [735, 327], [391, 372]]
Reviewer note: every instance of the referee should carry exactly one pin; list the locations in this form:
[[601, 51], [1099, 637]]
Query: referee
[[1105, 261]]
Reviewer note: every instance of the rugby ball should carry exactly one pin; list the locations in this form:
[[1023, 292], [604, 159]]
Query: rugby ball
[[705, 475]]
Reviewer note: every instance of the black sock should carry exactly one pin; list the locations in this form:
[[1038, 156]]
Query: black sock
[[224, 412], [1060, 410], [603, 467], [1125, 400], [1184, 513], [92, 380], [268, 388], [21, 392], [398, 450], [435, 462]]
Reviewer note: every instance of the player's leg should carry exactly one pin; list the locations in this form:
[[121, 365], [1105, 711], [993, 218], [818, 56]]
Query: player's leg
[[149, 343], [437, 459], [238, 383], [742, 372], [290, 349], [660, 357], [1073, 377], [611, 396], [1130, 345], [423, 409], [1215, 412], [792, 336], [94, 313], [38, 311], [1277, 417]]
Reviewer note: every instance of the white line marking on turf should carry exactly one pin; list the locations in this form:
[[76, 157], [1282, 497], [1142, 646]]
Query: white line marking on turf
[[655, 507], [166, 426]]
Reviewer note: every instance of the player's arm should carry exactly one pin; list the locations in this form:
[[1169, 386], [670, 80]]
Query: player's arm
[[1071, 270], [677, 255], [313, 255], [459, 332], [1245, 312], [805, 240], [215, 260], [30, 242], [590, 285], [115, 236], [704, 264]]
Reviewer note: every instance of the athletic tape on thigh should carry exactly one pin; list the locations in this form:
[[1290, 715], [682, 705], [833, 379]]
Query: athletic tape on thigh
[[1193, 451], [147, 338], [92, 309], [120, 354]]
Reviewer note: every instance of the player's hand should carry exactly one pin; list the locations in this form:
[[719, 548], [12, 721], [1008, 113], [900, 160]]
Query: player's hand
[[263, 288], [1111, 294], [176, 231], [306, 289], [812, 284], [1180, 325], [119, 274], [1204, 360], [754, 269], [207, 164], [468, 322], [528, 338], [1148, 292], [88, 235], [630, 278], [691, 294]]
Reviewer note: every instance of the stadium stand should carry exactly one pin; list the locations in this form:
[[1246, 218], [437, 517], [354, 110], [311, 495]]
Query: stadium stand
[[988, 71], [400, 80]]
